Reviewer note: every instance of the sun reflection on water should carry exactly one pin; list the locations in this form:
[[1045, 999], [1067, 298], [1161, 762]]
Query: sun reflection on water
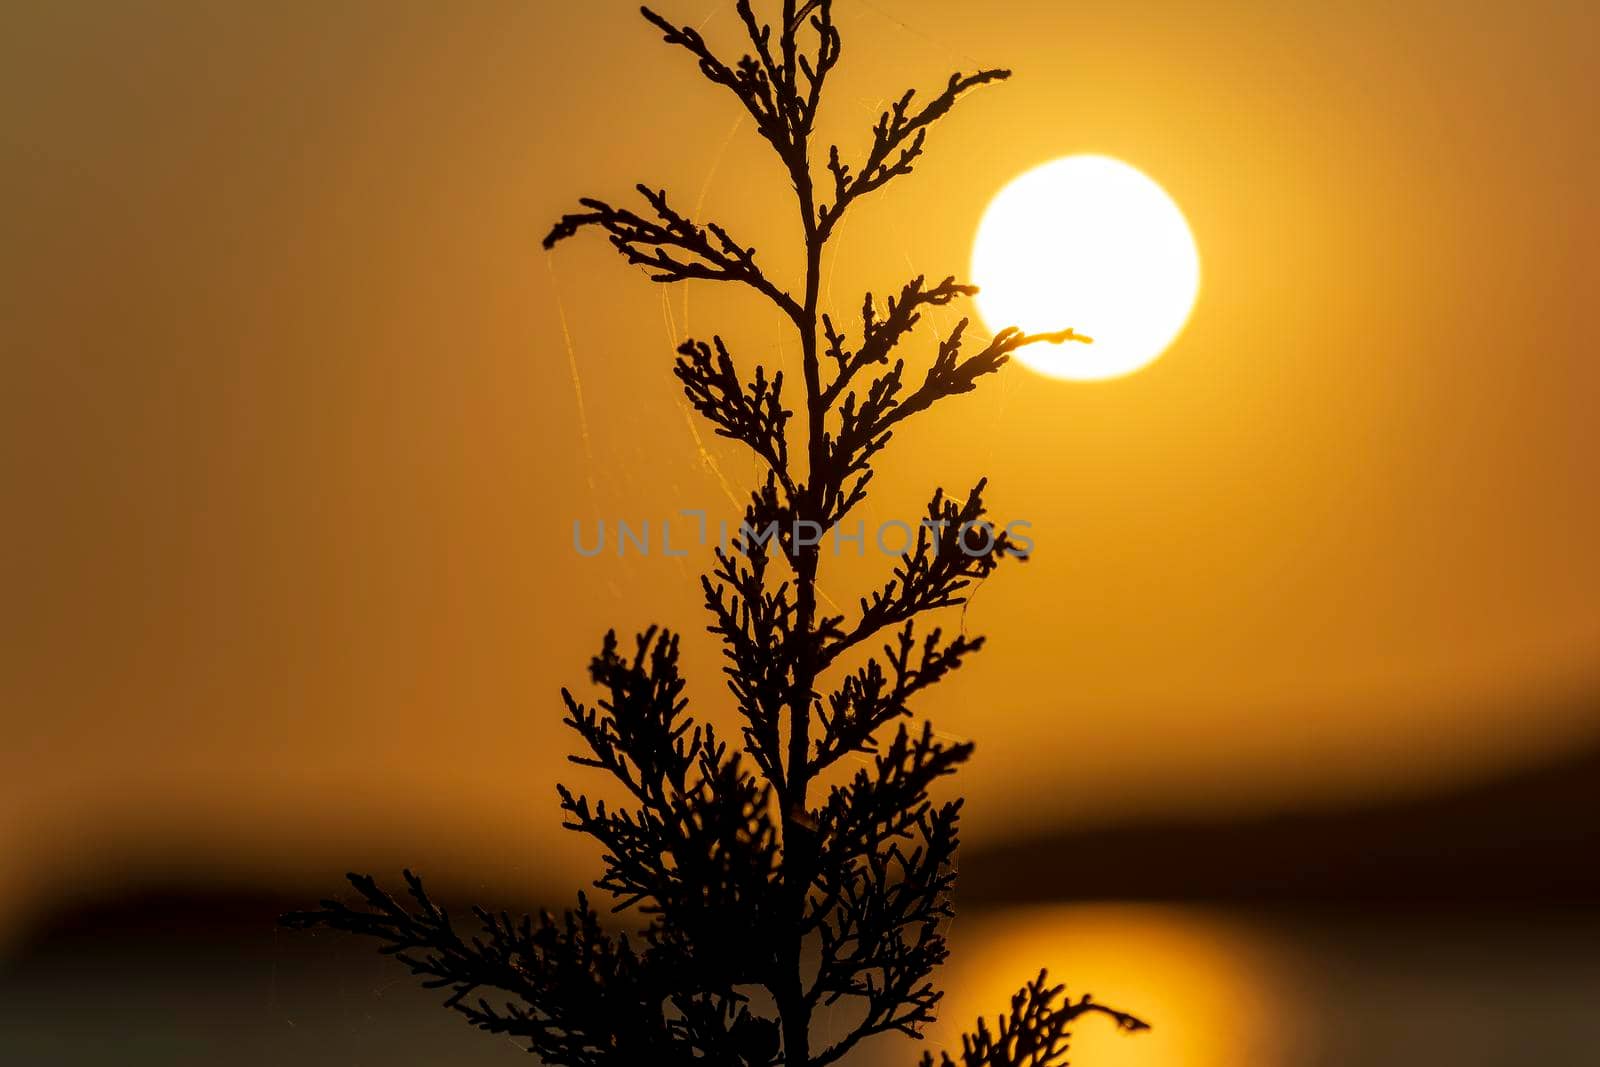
[[1215, 990]]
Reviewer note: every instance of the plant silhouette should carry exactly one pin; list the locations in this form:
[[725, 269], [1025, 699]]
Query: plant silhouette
[[762, 901]]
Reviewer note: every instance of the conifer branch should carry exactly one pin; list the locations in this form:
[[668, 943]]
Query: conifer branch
[[671, 247], [897, 142], [954, 547], [753, 415], [729, 864], [1034, 1034]]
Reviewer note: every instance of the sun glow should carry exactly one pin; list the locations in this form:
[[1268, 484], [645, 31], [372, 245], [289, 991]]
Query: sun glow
[[1091, 243], [1217, 990]]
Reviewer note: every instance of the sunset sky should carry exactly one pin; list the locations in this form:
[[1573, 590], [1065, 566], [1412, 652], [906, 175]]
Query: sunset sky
[[298, 416]]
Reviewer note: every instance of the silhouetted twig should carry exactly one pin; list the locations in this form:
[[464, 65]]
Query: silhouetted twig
[[736, 869]]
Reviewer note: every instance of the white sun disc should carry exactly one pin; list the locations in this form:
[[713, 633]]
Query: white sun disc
[[1091, 243]]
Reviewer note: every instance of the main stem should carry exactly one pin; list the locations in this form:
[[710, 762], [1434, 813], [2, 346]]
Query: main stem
[[798, 844]]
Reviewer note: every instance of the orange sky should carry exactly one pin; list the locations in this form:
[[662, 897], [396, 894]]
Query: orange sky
[[291, 444]]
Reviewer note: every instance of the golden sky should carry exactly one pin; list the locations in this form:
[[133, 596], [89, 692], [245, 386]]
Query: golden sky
[[291, 443]]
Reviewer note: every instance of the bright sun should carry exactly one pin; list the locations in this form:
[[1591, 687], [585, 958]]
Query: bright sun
[[1091, 243]]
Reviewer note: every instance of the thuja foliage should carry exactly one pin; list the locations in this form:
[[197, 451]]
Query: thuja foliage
[[764, 895]]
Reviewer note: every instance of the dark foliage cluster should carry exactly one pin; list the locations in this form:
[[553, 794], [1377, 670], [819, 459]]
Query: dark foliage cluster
[[764, 896]]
